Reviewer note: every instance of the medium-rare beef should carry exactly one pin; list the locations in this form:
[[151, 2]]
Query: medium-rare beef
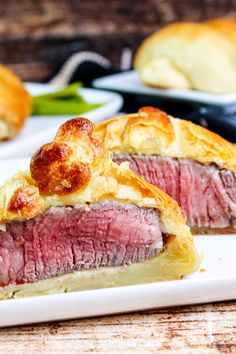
[[64, 239], [207, 194]]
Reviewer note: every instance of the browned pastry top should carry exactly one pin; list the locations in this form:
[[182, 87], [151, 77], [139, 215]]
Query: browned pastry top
[[152, 131]]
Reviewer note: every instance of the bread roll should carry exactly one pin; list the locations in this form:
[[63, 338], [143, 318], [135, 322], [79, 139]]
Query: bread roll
[[188, 56]]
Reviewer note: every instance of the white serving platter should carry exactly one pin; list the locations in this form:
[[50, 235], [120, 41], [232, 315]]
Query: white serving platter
[[215, 282], [41, 129], [129, 82]]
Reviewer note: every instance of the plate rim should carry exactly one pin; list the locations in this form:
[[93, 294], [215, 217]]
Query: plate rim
[[113, 98], [170, 94], [97, 298]]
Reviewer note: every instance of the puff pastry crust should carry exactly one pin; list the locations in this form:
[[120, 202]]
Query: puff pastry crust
[[15, 104], [76, 168], [152, 131], [173, 58]]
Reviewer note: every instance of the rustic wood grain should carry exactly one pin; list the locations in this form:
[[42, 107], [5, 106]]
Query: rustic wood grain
[[37, 36], [196, 329]]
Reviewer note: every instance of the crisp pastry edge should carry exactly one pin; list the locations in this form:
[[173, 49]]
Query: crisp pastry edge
[[167, 136]]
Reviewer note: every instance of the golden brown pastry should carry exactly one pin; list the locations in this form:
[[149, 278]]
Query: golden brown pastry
[[226, 26], [188, 55], [194, 166], [15, 104], [77, 220]]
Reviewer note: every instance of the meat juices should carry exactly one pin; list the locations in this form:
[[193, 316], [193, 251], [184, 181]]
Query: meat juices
[[64, 239]]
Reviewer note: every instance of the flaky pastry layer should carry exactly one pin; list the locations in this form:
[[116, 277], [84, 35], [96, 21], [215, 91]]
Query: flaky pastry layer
[[152, 131], [15, 104]]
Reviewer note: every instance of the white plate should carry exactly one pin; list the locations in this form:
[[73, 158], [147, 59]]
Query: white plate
[[129, 82], [216, 283], [41, 129]]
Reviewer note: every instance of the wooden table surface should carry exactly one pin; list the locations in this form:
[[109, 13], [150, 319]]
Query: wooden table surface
[[202, 329]]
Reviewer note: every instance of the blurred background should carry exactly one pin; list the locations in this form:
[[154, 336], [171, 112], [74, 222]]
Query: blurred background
[[38, 36]]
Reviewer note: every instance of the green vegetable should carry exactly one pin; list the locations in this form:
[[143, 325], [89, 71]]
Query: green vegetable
[[63, 102], [62, 107]]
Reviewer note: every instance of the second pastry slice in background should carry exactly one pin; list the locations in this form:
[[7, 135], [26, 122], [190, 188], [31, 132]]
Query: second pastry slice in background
[[195, 166]]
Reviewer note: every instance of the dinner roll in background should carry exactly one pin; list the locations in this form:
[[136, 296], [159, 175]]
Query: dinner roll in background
[[188, 55], [15, 104]]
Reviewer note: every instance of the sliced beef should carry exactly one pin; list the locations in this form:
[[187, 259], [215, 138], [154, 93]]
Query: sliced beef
[[207, 194], [70, 238]]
